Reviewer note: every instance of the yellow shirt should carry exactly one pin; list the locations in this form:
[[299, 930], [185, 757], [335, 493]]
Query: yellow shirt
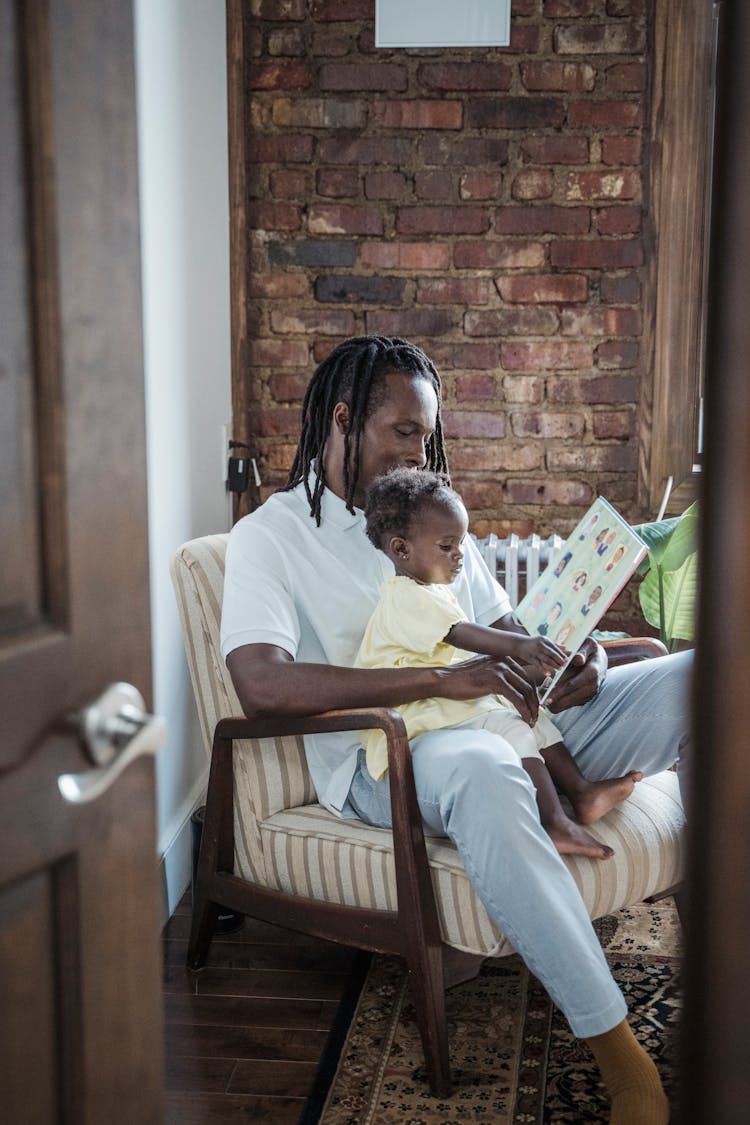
[[406, 630]]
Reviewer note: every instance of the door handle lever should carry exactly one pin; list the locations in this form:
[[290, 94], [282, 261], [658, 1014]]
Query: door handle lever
[[114, 730]]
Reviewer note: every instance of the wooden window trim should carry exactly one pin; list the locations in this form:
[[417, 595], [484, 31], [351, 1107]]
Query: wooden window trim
[[674, 297]]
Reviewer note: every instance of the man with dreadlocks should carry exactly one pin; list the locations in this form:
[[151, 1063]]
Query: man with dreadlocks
[[302, 580]]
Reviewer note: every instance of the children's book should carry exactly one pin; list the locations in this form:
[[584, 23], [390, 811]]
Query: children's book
[[570, 597]]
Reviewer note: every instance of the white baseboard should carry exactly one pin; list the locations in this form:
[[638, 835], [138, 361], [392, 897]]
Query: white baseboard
[[175, 851]]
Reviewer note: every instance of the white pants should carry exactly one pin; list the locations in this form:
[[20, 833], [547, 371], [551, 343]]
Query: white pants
[[472, 788]]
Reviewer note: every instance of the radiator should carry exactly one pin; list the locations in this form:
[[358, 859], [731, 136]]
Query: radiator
[[517, 563]]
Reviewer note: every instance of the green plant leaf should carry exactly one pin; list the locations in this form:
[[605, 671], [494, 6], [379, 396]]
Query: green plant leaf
[[649, 597], [680, 589], [683, 541], [656, 536]]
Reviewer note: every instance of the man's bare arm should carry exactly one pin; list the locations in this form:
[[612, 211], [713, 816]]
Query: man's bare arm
[[268, 681]]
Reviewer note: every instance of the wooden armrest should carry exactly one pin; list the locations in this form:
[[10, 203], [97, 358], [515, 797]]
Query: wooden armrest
[[625, 650], [413, 882]]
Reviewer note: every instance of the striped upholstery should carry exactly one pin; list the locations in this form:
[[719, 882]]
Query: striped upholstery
[[286, 841]]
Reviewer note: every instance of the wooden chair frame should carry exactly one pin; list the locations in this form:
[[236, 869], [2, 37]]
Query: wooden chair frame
[[411, 932]]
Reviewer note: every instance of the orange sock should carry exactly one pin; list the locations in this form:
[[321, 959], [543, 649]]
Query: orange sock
[[630, 1077]]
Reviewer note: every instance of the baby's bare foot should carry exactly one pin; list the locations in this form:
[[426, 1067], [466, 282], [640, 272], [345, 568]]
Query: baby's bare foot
[[598, 797], [570, 839]]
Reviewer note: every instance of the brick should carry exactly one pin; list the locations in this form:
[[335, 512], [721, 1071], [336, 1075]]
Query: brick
[[344, 218], [466, 152], [419, 114], [289, 183], [281, 457], [279, 76], [319, 113], [532, 321], [550, 76], [473, 424], [496, 456], [411, 322], [434, 185], [338, 183], [287, 41], [465, 356], [525, 7], [516, 113], [498, 255], [592, 389], [288, 388], [278, 353], [623, 8], [274, 216], [603, 185], [279, 285], [605, 115], [322, 348], [618, 220], [547, 424], [303, 252], [274, 149], [480, 185], [543, 288], [524, 39], [347, 289], [612, 424], [385, 185], [570, 9], [626, 78], [468, 76], [375, 151], [601, 322], [542, 220], [382, 76], [556, 150], [405, 255], [553, 355], [571, 493], [324, 322], [327, 42], [523, 388], [475, 386], [617, 353], [594, 459], [278, 9], [442, 220], [599, 39], [325, 10], [621, 150], [478, 495], [533, 183], [597, 254], [278, 421], [620, 289], [453, 291]]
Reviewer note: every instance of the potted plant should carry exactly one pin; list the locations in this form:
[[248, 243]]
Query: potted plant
[[670, 576]]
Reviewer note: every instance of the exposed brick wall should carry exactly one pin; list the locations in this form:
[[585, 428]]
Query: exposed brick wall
[[487, 204]]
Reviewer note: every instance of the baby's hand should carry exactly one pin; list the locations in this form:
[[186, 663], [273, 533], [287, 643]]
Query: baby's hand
[[540, 658]]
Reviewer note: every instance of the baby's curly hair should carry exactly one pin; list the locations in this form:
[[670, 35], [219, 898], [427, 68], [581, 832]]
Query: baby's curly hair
[[396, 500]]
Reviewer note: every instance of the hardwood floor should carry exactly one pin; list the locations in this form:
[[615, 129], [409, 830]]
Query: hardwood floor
[[244, 1035]]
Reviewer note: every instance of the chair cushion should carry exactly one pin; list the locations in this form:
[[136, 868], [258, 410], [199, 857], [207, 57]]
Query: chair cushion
[[312, 853]]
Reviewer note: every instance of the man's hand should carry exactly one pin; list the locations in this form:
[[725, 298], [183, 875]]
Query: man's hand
[[488, 675], [581, 680]]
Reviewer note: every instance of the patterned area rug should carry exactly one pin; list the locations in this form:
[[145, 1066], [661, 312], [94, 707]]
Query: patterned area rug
[[513, 1057]]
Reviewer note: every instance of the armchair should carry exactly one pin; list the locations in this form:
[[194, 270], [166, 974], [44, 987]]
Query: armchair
[[271, 851]]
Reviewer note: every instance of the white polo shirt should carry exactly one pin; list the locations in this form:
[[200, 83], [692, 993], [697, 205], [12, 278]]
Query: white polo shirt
[[311, 591]]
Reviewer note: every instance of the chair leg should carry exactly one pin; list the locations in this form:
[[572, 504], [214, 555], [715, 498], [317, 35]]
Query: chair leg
[[203, 925], [429, 1002]]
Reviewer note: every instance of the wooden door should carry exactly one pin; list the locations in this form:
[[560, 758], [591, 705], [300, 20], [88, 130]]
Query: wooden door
[[80, 1019]]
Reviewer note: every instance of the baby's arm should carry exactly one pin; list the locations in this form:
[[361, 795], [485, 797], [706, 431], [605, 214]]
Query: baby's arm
[[539, 656]]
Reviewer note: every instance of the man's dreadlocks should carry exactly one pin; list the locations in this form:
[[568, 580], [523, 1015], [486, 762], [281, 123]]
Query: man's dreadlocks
[[353, 373]]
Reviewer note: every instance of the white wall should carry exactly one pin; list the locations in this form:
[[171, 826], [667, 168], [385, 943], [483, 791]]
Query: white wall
[[182, 124]]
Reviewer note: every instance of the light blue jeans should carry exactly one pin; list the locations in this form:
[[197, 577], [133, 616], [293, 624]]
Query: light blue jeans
[[472, 787]]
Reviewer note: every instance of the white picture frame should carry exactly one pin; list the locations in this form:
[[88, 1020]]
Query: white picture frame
[[442, 23]]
